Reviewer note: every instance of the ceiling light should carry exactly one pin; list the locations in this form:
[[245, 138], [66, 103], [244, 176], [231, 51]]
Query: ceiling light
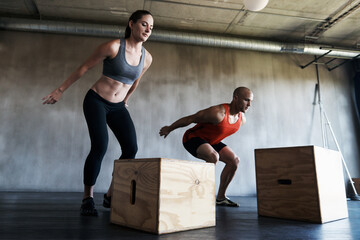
[[255, 5]]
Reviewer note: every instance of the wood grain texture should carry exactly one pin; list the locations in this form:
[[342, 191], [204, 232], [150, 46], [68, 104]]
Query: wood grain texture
[[144, 213], [314, 186], [171, 195], [187, 195]]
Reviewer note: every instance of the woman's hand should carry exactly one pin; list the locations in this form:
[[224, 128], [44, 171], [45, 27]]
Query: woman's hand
[[53, 97]]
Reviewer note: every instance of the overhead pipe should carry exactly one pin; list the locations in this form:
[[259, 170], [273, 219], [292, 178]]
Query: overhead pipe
[[199, 39]]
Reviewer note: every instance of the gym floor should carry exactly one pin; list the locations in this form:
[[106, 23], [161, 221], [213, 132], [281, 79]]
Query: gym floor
[[48, 215]]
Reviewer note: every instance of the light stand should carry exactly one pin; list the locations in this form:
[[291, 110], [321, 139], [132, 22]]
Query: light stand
[[325, 122]]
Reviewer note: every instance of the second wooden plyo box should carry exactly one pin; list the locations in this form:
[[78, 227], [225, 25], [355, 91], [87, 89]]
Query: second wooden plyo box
[[303, 183], [162, 195]]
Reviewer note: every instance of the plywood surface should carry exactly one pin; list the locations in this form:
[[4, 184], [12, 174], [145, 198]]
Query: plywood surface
[[171, 195], [300, 183], [330, 178], [143, 214], [296, 200], [187, 195]]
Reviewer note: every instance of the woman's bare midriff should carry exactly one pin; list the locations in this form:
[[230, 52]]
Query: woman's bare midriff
[[111, 90]]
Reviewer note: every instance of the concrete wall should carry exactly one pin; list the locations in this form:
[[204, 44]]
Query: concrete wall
[[44, 147]]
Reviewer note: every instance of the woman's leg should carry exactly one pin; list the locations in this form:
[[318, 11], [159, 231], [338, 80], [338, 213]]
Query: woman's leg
[[95, 114], [123, 127]]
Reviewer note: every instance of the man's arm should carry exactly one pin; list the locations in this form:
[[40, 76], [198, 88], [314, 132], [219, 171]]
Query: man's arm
[[214, 115]]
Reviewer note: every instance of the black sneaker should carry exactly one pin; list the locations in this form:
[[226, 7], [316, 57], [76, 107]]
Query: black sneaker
[[88, 207], [226, 202], [107, 201]]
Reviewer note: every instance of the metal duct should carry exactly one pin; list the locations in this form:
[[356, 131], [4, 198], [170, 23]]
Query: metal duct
[[101, 30]]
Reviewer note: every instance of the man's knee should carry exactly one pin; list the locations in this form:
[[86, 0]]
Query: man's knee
[[234, 163], [213, 157]]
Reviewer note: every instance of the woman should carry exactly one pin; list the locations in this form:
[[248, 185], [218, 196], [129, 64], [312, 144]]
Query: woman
[[124, 63]]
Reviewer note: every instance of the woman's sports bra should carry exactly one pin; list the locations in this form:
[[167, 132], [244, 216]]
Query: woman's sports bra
[[119, 69]]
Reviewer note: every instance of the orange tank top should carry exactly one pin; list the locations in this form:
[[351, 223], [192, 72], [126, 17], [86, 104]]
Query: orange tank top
[[214, 133]]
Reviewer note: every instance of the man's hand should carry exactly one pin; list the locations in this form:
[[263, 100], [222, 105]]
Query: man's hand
[[164, 131]]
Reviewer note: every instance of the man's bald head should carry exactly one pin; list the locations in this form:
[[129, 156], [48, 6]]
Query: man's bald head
[[241, 91]]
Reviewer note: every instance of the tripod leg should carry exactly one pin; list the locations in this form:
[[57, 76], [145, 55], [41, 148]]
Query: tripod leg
[[355, 197]]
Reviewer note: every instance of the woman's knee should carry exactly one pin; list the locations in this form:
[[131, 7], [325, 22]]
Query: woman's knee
[[129, 152], [99, 149], [132, 151]]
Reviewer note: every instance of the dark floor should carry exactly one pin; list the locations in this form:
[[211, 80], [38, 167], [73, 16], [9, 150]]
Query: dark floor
[[40, 215]]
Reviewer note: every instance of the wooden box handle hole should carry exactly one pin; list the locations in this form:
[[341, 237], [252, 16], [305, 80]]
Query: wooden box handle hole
[[284, 181], [133, 192]]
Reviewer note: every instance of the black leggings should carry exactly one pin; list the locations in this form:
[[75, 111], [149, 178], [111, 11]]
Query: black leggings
[[99, 112]]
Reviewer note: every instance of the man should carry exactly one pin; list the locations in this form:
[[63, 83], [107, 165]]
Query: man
[[212, 126]]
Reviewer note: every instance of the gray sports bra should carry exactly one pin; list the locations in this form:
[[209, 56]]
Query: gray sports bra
[[119, 69]]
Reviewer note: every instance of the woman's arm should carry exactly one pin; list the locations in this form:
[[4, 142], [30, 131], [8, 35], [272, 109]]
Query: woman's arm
[[103, 51]]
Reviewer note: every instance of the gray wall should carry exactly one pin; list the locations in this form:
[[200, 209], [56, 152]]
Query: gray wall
[[43, 147]]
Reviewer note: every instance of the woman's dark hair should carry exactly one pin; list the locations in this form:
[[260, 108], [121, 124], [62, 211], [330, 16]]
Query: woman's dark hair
[[135, 17]]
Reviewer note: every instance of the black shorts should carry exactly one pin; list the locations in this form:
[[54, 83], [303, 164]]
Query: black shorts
[[193, 144]]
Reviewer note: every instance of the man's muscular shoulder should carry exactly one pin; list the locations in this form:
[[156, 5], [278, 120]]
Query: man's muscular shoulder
[[217, 113]]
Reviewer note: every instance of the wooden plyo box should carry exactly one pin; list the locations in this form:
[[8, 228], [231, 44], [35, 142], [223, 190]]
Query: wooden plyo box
[[161, 195], [357, 184], [300, 183]]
